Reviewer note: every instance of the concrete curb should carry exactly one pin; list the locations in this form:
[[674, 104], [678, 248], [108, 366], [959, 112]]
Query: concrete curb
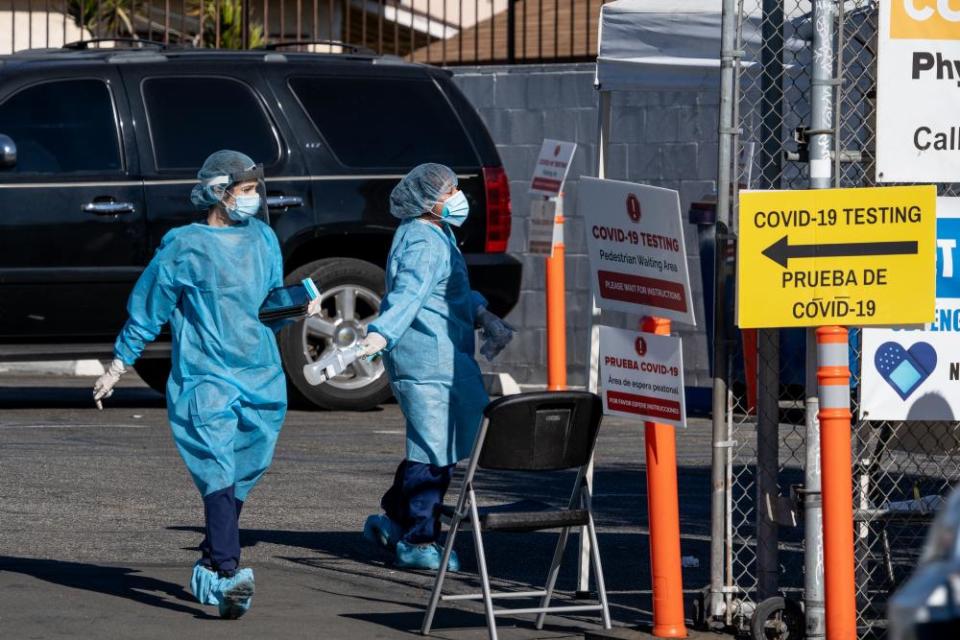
[[500, 384], [83, 368]]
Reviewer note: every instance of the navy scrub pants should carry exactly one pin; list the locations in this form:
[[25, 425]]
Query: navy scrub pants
[[220, 548], [414, 500]]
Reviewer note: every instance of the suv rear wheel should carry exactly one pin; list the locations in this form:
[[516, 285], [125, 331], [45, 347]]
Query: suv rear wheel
[[351, 291]]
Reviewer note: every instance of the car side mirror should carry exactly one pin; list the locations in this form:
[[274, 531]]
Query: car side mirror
[[8, 152]]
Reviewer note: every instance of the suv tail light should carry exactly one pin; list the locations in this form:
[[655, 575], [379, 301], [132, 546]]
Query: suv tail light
[[497, 189]]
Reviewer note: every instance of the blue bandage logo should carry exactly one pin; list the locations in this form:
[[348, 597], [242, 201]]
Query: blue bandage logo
[[905, 369]]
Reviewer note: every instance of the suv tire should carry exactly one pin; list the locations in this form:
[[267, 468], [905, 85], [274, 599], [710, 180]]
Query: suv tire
[[351, 291], [154, 372]]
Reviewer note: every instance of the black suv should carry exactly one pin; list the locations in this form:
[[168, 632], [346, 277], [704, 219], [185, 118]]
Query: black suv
[[100, 147]]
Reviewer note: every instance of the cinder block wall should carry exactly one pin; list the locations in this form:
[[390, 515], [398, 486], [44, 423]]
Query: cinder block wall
[[666, 139]]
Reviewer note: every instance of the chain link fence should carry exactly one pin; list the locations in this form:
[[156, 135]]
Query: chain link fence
[[901, 471]]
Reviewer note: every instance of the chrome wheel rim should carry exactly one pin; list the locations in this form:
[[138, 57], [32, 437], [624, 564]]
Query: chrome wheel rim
[[346, 311]]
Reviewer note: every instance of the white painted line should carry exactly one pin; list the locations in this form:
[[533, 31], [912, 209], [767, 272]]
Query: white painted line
[[389, 432]]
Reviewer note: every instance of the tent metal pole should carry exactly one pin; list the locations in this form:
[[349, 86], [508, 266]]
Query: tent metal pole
[[593, 373]]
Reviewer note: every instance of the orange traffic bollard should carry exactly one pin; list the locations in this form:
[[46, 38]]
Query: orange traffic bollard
[[556, 312], [833, 376], [663, 509]]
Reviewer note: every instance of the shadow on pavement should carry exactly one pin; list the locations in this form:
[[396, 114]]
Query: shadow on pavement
[[121, 582], [516, 562], [456, 621], [74, 396], [53, 397]]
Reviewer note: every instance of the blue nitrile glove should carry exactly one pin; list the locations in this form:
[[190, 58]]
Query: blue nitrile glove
[[496, 333]]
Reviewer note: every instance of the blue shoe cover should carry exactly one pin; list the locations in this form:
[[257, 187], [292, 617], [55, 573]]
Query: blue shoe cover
[[235, 594], [453, 564], [424, 556], [203, 583], [382, 531]]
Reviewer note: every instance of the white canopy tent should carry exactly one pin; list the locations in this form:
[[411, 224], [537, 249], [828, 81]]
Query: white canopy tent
[[664, 44], [660, 44]]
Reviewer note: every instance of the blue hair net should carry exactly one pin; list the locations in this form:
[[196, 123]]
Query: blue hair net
[[219, 172], [420, 189]]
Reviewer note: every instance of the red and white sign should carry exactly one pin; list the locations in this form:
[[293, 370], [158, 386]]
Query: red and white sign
[[553, 163], [542, 228], [638, 259], [641, 376]]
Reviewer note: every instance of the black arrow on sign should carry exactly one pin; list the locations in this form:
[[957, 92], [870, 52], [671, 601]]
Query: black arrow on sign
[[781, 251]]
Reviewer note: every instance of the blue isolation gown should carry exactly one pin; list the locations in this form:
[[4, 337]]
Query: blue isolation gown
[[427, 318], [226, 396]]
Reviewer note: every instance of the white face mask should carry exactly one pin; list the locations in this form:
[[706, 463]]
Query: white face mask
[[455, 209], [243, 207]]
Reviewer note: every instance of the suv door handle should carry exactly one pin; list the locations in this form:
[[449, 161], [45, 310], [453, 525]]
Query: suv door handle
[[283, 202], [109, 208]]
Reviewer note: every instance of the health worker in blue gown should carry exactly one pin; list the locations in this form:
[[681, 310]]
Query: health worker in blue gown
[[426, 333], [226, 395]]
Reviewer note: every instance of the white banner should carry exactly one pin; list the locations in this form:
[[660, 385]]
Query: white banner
[[914, 374], [641, 376], [918, 91], [638, 260]]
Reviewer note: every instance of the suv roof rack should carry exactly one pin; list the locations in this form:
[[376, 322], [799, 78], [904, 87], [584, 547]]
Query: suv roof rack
[[83, 45], [354, 48]]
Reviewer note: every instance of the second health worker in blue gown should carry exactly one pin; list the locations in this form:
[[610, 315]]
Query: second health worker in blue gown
[[426, 327]]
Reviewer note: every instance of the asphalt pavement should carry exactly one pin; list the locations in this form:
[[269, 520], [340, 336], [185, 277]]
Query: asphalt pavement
[[99, 523]]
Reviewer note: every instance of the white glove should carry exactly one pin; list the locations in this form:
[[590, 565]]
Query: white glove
[[373, 344], [313, 309], [496, 333], [103, 387]]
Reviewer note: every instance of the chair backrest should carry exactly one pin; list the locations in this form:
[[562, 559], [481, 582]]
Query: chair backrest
[[541, 431]]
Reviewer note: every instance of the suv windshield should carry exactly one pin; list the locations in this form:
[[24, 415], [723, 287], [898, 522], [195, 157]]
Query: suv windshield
[[387, 123]]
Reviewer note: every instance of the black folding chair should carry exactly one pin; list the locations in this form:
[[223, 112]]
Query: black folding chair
[[528, 432]]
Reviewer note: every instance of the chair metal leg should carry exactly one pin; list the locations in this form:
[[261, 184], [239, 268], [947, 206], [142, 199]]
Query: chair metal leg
[[482, 564], [552, 573], [601, 587], [441, 574]]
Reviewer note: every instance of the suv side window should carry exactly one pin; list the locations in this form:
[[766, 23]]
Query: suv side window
[[388, 123], [63, 126], [192, 117]]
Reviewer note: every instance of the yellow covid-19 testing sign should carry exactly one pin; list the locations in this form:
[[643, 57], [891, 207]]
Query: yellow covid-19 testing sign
[[837, 257]]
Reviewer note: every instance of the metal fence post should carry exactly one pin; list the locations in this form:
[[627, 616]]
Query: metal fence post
[[768, 463], [820, 141], [768, 419], [714, 607], [771, 100]]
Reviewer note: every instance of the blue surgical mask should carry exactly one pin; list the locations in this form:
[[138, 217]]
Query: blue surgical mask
[[244, 207], [455, 209]]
